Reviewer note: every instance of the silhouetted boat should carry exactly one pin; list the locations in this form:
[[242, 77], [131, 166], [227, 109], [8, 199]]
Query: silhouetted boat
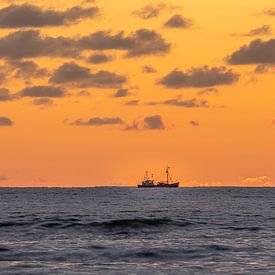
[[150, 183]]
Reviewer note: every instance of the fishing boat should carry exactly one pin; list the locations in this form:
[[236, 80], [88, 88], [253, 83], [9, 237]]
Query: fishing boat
[[149, 182]]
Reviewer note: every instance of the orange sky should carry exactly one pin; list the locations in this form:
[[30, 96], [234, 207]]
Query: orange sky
[[205, 111]]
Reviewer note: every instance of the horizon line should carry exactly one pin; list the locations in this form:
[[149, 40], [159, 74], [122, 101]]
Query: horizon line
[[123, 186]]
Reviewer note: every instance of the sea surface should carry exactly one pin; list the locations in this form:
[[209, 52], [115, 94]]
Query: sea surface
[[137, 231]]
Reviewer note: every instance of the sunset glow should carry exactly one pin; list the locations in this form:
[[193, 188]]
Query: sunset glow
[[94, 93]]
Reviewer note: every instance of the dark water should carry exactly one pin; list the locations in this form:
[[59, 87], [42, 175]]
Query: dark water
[[137, 231]]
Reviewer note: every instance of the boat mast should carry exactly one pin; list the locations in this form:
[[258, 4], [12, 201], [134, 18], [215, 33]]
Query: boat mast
[[146, 176], [167, 174]]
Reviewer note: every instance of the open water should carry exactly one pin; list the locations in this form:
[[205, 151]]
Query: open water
[[137, 231]]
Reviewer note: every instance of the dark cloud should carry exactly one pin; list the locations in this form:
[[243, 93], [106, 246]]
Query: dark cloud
[[199, 77], [82, 77], [99, 58], [98, 121], [43, 91], [141, 42], [5, 95], [121, 93], [2, 178], [5, 121], [148, 69], [70, 72], [44, 101], [148, 43], [32, 44], [26, 15], [26, 69], [189, 103], [154, 123], [151, 11], [257, 52], [194, 123], [179, 22], [105, 40]]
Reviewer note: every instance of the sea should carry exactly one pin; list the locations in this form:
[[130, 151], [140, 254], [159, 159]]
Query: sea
[[115, 230]]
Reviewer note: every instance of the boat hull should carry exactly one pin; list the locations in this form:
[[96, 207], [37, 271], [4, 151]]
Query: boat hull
[[171, 185], [144, 186]]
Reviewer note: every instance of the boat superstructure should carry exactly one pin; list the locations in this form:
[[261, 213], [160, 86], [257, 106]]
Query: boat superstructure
[[167, 183], [147, 181]]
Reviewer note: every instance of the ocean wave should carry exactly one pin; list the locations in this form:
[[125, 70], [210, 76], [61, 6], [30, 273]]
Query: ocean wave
[[252, 228], [122, 225]]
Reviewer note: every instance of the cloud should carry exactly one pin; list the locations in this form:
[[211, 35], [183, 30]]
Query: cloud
[[32, 44], [179, 102], [84, 93], [148, 43], [151, 11], [26, 69], [177, 21], [26, 15], [42, 91], [2, 77], [132, 103], [199, 77], [82, 77], [194, 123], [105, 40], [189, 103], [208, 91], [2, 178], [5, 95], [264, 30], [154, 122], [148, 69], [98, 121], [142, 42], [99, 58], [121, 93], [44, 101], [262, 68], [257, 52], [5, 121], [269, 12], [135, 125], [258, 181]]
